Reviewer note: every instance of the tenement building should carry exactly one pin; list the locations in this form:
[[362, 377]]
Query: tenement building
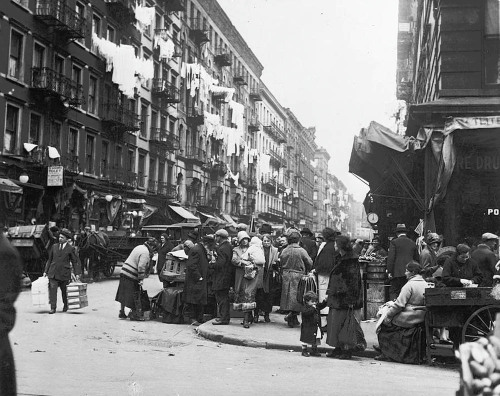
[[117, 113]]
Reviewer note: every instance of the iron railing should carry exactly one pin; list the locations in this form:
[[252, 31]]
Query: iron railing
[[63, 18], [166, 90], [165, 138], [44, 78]]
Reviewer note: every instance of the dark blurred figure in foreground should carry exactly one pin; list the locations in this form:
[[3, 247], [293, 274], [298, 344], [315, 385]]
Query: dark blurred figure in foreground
[[10, 286]]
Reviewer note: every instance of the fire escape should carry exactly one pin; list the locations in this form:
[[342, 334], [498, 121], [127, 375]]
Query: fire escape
[[64, 23]]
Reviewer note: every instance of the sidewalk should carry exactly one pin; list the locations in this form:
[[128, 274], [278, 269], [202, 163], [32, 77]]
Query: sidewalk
[[275, 335]]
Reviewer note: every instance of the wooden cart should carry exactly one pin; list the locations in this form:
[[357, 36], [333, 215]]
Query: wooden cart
[[468, 312]]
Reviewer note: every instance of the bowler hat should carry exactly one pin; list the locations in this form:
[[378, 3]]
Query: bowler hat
[[401, 227], [67, 233], [306, 231]]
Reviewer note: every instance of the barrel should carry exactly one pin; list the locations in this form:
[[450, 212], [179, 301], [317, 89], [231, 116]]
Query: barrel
[[376, 271], [375, 297]]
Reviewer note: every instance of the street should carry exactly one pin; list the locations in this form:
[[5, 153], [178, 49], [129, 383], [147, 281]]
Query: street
[[91, 352]]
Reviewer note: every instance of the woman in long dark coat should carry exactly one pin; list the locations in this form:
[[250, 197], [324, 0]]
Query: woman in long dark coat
[[195, 293], [344, 293], [323, 265]]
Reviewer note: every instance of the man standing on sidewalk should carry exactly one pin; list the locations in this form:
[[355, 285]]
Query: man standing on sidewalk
[[223, 277], [62, 259], [402, 250]]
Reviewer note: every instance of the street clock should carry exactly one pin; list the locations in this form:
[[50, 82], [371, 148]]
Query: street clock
[[372, 218]]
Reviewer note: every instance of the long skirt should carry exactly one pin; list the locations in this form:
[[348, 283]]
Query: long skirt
[[401, 344], [322, 288], [336, 318], [127, 292], [245, 291], [289, 291], [264, 301]]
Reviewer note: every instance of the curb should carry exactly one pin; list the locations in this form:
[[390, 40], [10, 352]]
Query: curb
[[231, 340]]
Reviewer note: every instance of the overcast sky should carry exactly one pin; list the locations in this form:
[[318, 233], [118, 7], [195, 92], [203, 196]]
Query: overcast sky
[[332, 62]]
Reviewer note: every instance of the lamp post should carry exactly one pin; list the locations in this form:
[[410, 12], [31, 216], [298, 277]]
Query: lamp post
[[24, 178]]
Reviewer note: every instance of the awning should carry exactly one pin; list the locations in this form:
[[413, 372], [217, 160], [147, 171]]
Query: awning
[[7, 185], [229, 220], [187, 215]]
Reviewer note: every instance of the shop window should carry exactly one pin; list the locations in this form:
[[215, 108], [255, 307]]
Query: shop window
[[492, 42], [16, 54], [11, 129], [35, 129]]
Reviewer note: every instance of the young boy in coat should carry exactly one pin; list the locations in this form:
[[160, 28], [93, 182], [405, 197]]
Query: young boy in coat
[[311, 324]]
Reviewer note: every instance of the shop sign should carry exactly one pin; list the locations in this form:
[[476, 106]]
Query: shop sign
[[471, 123], [479, 162], [55, 176]]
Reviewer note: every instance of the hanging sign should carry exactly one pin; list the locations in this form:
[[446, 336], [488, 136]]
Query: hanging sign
[[55, 176]]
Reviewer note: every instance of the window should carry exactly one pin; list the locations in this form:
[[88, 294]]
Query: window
[[140, 173], [152, 174], [315, 195], [80, 11], [93, 90], [11, 129], [16, 54], [55, 135], [110, 34], [76, 76], [144, 121], [118, 157], [104, 159], [131, 161], [161, 172], [35, 129], [38, 56], [89, 154], [73, 143], [171, 124], [96, 29], [492, 42]]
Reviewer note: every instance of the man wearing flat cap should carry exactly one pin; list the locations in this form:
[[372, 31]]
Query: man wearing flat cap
[[195, 292], [486, 259], [402, 250], [308, 242], [223, 276], [62, 260]]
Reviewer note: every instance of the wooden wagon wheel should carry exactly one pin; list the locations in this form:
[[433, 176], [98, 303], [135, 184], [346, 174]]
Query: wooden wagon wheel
[[109, 269], [480, 323]]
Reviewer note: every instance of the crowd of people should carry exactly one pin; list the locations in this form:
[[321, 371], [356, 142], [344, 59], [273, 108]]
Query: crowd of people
[[253, 272]]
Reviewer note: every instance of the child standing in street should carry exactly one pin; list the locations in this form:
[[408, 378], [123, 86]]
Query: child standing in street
[[310, 332]]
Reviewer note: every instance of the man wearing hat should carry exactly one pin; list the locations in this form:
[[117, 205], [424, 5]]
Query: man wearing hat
[[223, 275], [195, 292], [486, 259], [308, 242], [402, 250], [62, 259]]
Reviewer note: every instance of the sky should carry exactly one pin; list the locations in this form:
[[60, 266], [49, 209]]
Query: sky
[[332, 62]]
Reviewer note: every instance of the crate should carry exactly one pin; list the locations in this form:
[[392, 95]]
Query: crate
[[451, 296], [40, 292], [174, 269], [77, 295]]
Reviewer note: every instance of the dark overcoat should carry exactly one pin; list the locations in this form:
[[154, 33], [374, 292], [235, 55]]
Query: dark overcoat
[[325, 259], [310, 246], [310, 323], [195, 290], [402, 250], [59, 262], [344, 287], [223, 269]]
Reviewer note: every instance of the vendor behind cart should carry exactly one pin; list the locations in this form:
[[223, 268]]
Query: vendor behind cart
[[461, 270]]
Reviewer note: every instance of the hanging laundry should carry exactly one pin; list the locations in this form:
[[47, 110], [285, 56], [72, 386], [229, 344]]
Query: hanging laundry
[[124, 70], [264, 163], [226, 91], [144, 15], [167, 48], [53, 153], [238, 112]]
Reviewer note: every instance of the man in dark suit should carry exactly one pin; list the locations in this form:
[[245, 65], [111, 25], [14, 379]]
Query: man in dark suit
[[62, 259], [223, 276], [402, 250], [10, 286]]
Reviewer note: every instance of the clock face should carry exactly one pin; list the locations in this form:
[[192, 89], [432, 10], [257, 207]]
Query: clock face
[[372, 218]]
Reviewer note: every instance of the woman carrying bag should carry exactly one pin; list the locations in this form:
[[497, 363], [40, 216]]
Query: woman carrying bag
[[345, 302]]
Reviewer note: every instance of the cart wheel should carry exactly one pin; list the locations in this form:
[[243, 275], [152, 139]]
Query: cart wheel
[[480, 324], [109, 269]]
